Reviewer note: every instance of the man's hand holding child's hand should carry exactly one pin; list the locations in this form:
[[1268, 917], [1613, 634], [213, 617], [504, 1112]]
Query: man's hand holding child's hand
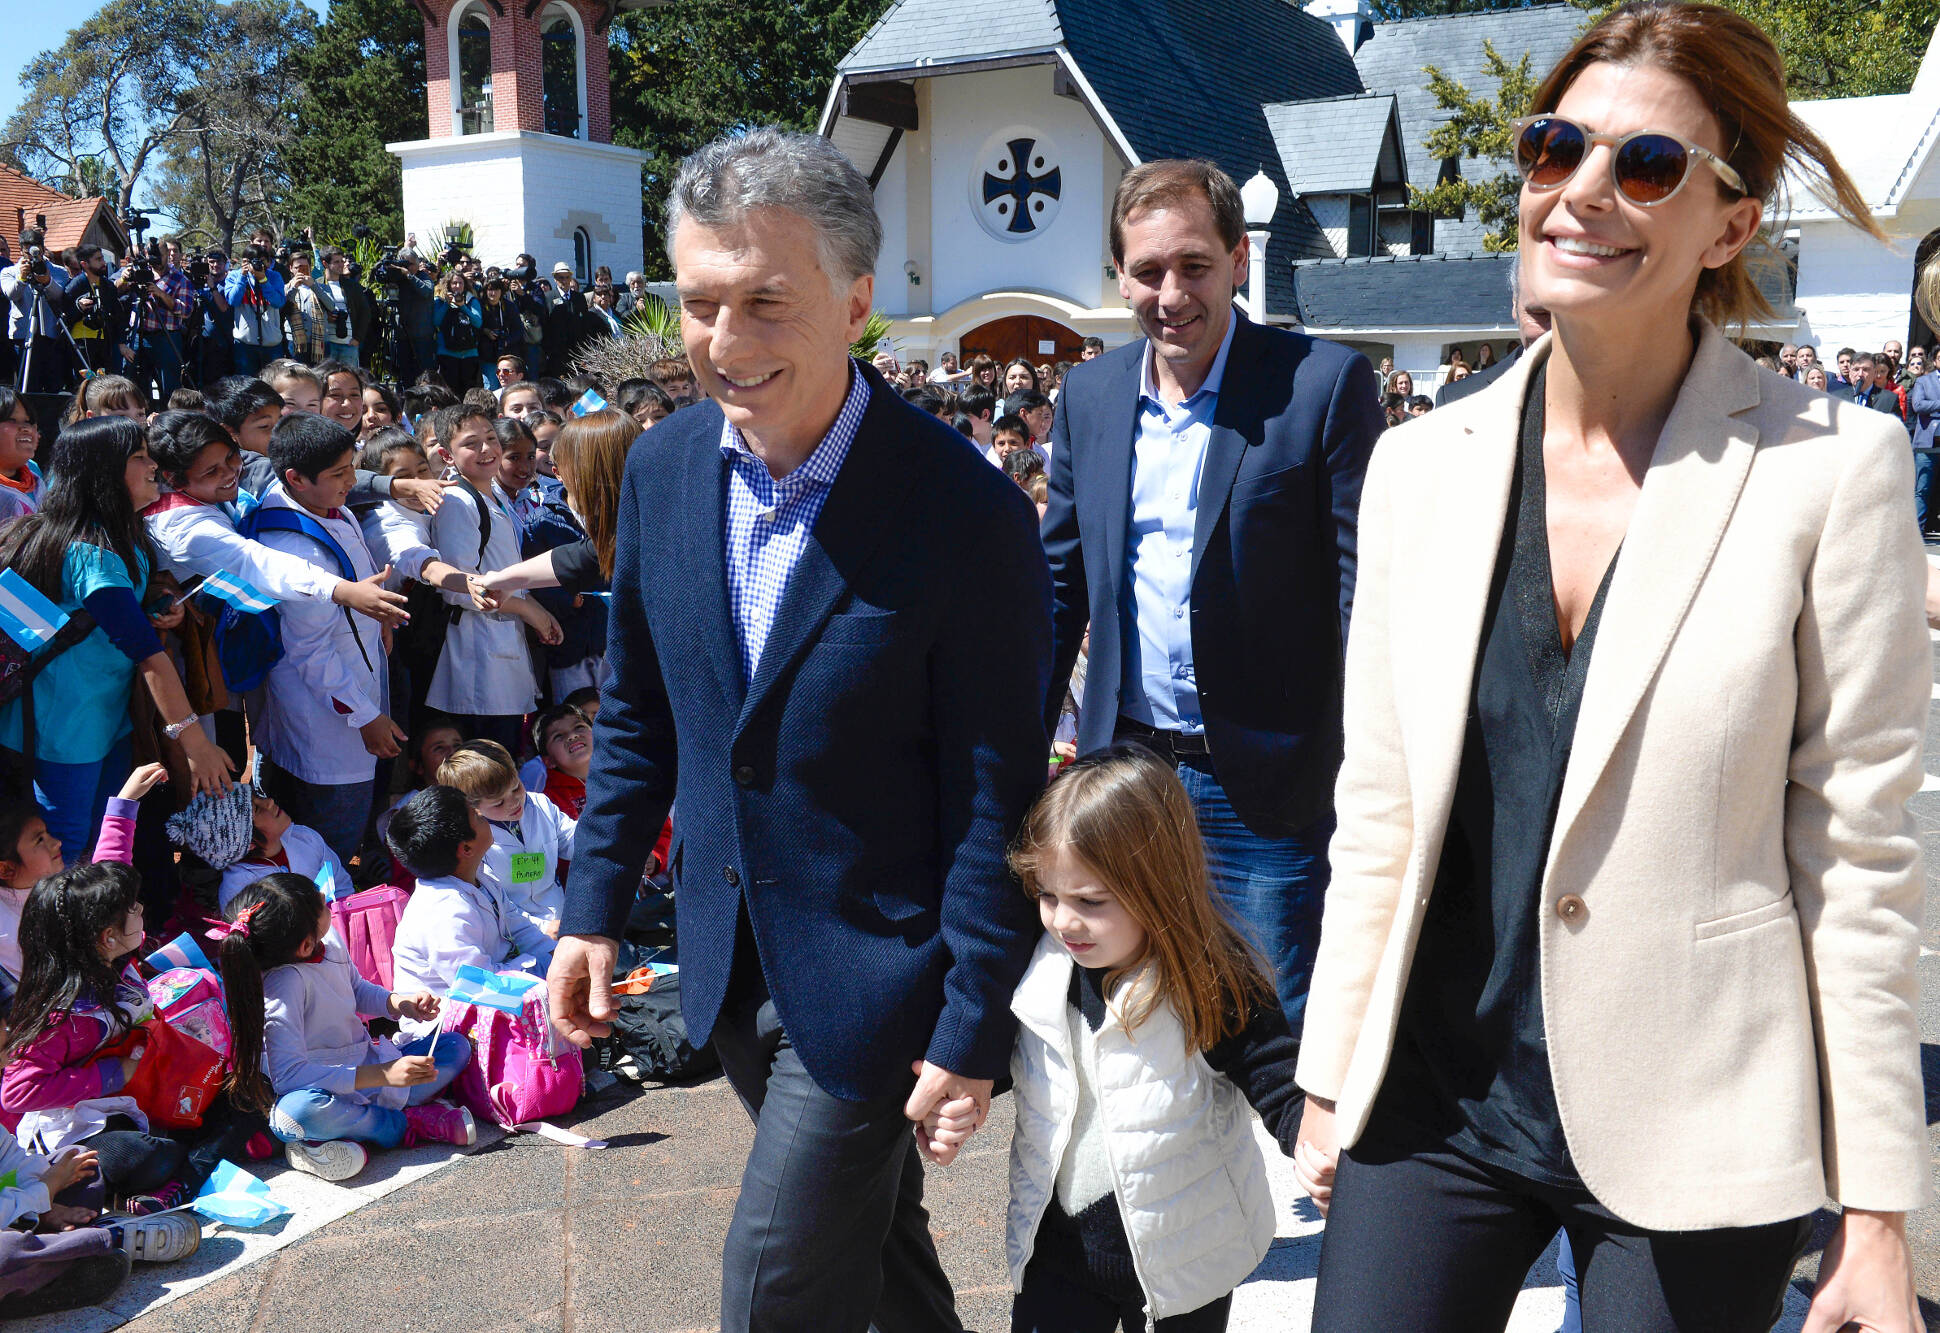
[[946, 1129]]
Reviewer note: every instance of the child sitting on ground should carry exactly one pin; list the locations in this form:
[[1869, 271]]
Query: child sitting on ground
[[79, 999], [306, 1056], [74, 1263], [246, 836], [1141, 994], [455, 917], [532, 841], [32, 852], [563, 736], [430, 747]]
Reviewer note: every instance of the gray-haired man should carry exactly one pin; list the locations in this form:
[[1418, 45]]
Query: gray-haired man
[[829, 639]]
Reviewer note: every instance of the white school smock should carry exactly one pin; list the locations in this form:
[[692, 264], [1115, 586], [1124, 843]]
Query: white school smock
[[201, 539], [447, 924], [398, 537], [313, 1036], [485, 669], [531, 886], [333, 677], [306, 852]]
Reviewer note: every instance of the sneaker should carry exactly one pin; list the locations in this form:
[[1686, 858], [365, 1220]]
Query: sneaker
[[437, 1122], [333, 1159], [170, 1196], [156, 1240], [260, 1148]]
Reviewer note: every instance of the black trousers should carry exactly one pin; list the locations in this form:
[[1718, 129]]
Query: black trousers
[[1431, 1241], [1054, 1301], [830, 1232]]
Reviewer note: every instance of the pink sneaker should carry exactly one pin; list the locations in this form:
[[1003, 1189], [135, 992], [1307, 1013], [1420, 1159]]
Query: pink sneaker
[[437, 1122], [260, 1148]]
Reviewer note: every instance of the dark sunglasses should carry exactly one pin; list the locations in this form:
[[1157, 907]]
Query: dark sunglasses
[[1647, 167]]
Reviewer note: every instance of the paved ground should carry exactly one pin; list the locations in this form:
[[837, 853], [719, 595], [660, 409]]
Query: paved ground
[[529, 1235]]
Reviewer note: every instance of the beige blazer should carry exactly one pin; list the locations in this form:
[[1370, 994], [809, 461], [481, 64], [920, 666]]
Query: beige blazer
[[1733, 893]]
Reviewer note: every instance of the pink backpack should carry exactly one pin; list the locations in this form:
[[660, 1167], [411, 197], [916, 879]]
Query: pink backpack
[[191, 1000], [520, 1070], [367, 924]]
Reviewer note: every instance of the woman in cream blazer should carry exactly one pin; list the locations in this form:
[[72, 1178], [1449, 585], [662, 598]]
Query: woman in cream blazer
[[1713, 1025]]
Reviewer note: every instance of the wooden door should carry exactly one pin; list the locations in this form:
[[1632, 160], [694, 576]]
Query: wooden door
[[1020, 335]]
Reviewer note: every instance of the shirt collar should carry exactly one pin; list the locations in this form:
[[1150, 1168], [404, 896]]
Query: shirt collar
[[1148, 388], [820, 467]]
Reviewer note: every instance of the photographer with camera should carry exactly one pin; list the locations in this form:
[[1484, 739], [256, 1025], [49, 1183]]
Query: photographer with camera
[[164, 315], [215, 343], [255, 294], [347, 305], [97, 316], [36, 306], [502, 332], [416, 351]]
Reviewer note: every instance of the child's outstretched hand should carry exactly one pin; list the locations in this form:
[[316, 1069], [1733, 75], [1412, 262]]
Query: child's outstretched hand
[[424, 1006], [407, 1070], [70, 1168], [946, 1129], [142, 781]]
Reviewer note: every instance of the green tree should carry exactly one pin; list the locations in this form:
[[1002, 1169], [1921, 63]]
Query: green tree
[[685, 72], [110, 95], [363, 86], [1477, 131]]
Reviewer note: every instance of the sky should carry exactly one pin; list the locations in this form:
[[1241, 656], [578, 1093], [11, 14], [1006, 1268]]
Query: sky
[[33, 26]]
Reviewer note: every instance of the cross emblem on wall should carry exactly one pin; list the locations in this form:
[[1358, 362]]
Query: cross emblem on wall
[[1017, 191]]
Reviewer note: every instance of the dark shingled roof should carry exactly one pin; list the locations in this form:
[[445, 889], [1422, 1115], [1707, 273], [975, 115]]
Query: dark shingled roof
[[1331, 145], [1392, 61], [1410, 291], [942, 32]]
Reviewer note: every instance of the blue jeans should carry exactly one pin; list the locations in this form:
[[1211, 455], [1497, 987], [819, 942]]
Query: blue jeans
[[250, 359], [1572, 1299], [318, 1116], [337, 814], [1273, 887], [344, 352], [1922, 486], [74, 797]]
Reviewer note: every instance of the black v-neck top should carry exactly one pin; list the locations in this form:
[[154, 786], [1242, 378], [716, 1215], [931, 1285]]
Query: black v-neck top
[[1471, 1063]]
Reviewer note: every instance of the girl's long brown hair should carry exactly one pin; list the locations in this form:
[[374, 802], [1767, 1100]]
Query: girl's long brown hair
[[1740, 75], [1124, 814], [591, 451]]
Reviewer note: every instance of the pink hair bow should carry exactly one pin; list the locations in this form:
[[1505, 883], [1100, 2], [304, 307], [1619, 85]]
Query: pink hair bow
[[222, 930]]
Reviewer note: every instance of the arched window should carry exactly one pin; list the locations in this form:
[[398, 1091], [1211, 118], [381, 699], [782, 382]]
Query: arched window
[[564, 81], [471, 65], [583, 256]]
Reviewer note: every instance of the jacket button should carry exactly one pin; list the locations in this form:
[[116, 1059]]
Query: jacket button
[[1571, 908], [744, 775], [732, 877]]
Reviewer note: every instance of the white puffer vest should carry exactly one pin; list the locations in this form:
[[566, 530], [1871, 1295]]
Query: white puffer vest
[[1190, 1181]]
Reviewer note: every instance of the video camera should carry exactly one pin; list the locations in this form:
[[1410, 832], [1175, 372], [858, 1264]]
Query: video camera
[[396, 264]]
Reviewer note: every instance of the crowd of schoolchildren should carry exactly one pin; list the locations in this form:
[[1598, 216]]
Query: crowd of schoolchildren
[[282, 686]]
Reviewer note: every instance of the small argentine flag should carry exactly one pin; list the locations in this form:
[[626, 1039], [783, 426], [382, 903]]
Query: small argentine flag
[[326, 881], [241, 595], [495, 990], [589, 402], [182, 951], [28, 618]]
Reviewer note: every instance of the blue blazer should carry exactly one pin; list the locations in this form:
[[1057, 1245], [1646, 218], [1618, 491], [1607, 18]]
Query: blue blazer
[[1272, 558], [857, 799]]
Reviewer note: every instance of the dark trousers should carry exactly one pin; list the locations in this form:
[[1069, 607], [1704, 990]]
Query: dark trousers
[[1057, 1302], [1432, 1241], [830, 1232], [508, 729]]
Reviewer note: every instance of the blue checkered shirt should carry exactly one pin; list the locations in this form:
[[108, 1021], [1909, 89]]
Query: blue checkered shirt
[[768, 520]]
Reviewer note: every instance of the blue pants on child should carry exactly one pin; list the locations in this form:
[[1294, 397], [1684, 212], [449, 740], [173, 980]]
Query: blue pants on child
[[318, 1116]]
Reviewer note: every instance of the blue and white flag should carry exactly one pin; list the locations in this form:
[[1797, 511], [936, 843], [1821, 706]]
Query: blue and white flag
[[326, 880], [28, 618], [243, 596], [589, 402], [494, 990]]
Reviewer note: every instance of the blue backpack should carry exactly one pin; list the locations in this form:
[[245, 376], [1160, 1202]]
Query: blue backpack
[[249, 643]]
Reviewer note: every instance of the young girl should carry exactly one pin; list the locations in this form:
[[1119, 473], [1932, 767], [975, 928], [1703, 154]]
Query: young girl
[[79, 996], [21, 487], [1137, 1189], [106, 396], [303, 1053], [276, 843], [31, 852]]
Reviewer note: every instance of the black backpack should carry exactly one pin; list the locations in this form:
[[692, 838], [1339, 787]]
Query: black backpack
[[459, 334], [650, 1029]]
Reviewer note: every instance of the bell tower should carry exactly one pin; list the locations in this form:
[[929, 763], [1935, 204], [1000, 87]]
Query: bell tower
[[521, 144]]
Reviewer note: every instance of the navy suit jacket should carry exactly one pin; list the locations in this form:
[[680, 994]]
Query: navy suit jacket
[[859, 796], [1272, 558]]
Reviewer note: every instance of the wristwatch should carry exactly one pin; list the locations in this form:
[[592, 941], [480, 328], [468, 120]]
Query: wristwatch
[[174, 730]]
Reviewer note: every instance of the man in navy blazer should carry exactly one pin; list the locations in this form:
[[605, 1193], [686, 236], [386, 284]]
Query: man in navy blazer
[[829, 647], [1205, 483]]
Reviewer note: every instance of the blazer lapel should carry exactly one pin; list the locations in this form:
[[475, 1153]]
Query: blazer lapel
[[706, 488], [1234, 415], [1449, 578], [870, 485], [1689, 492], [1110, 473]]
